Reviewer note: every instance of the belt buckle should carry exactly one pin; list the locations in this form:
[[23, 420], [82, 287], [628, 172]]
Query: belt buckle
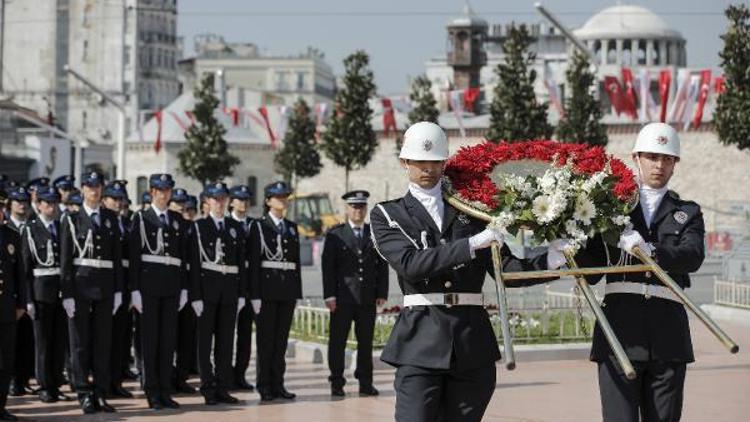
[[647, 291], [451, 299]]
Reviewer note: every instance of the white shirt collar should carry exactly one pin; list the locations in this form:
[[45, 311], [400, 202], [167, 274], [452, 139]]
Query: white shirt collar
[[275, 220], [650, 199], [158, 211], [16, 221], [44, 221], [217, 220], [354, 226], [420, 193], [238, 218], [90, 211]]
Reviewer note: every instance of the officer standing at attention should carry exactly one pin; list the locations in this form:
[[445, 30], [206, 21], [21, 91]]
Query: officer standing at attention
[[218, 286], [12, 305], [276, 284], [122, 323], [442, 344], [92, 284], [649, 319], [64, 185], [186, 346], [20, 213], [355, 282], [158, 281], [41, 259], [240, 204]]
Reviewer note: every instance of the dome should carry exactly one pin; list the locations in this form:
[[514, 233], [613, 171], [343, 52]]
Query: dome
[[626, 21], [468, 18]]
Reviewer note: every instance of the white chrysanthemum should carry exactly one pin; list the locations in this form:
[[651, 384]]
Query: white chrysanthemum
[[542, 209], [585, 210], [502, 221], [595, 180], [621, 220], [547, 182], [571, 227]]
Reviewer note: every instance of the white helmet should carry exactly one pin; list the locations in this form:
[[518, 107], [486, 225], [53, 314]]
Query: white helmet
[[659, 138], [424, 141]]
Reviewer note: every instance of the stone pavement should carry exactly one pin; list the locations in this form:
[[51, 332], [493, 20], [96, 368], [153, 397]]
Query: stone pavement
[[717, 390]]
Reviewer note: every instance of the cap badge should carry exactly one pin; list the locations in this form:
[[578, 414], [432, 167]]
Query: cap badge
[[163, 177], [427, 144], [662, 140]]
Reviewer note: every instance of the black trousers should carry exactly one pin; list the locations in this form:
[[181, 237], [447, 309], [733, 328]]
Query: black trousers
[[91, 344], [158, 339], [216, 324], [137, 349], [244, 340], [7, 358], [187, 346], [122, 330], [24, 351], [273, 324], [49, 337], [655, 395], [364, 326], [428, 395]]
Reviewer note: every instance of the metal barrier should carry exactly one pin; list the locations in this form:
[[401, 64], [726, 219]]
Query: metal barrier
[[553, 317], [732, 293]]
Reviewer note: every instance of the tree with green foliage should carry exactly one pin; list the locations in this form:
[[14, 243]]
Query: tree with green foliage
[[423, 102], [299, 158], [206, 157], [732, 115], [349, 140], [515, 113], [583, 113]]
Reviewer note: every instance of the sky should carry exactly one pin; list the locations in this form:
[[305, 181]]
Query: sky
[[401, 35]]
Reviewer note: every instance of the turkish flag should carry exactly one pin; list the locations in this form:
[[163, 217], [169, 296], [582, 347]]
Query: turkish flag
[[719, 85], [470, 98], [665, 79], [157, 143], [629, 99], [264, 113], [705, 87], [614, 92], [389, 118]]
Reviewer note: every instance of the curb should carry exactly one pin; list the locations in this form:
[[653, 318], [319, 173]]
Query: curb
[[317, 353], [728, 313]]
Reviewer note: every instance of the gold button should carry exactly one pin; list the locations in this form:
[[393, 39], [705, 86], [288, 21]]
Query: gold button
[[448, 284], [648, 274]]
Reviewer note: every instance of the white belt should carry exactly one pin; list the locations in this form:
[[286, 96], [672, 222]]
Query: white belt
[[94, 263], [224, 269], [279, 265], [41, 272], [647, 290], [125, 263], [160, 259], [444, 299]]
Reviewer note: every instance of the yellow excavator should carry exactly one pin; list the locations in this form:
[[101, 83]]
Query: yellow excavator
[[313, 213]]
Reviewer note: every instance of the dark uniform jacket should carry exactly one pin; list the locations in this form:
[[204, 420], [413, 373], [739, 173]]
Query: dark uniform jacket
[[153, 278], [653, 328], [41, 288], [439, 337], [353, 271], [89, 282], [12, 295], [214, 286], [273, 283]]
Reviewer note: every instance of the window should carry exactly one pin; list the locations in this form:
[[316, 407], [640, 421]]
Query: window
[[252, 185], [141, 185], [85, 50], [83, 119], [127, 53], [281, 82], [300, 81]]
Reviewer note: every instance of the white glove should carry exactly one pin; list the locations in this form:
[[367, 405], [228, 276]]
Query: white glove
[[183, 299], [630, 239], [240, 304], [70, 306], [485, 238], [31, 310], [136, 302], [555, 256], [117, 303], [256, 305], [197, 307]]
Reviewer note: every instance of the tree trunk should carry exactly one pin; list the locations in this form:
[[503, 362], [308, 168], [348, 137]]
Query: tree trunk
[[346, 179]]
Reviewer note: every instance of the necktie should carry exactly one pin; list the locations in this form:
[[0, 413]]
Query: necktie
[[358, 233], [163, 219], [95, 218], [221, 226], [52, 231], [280, 227]]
